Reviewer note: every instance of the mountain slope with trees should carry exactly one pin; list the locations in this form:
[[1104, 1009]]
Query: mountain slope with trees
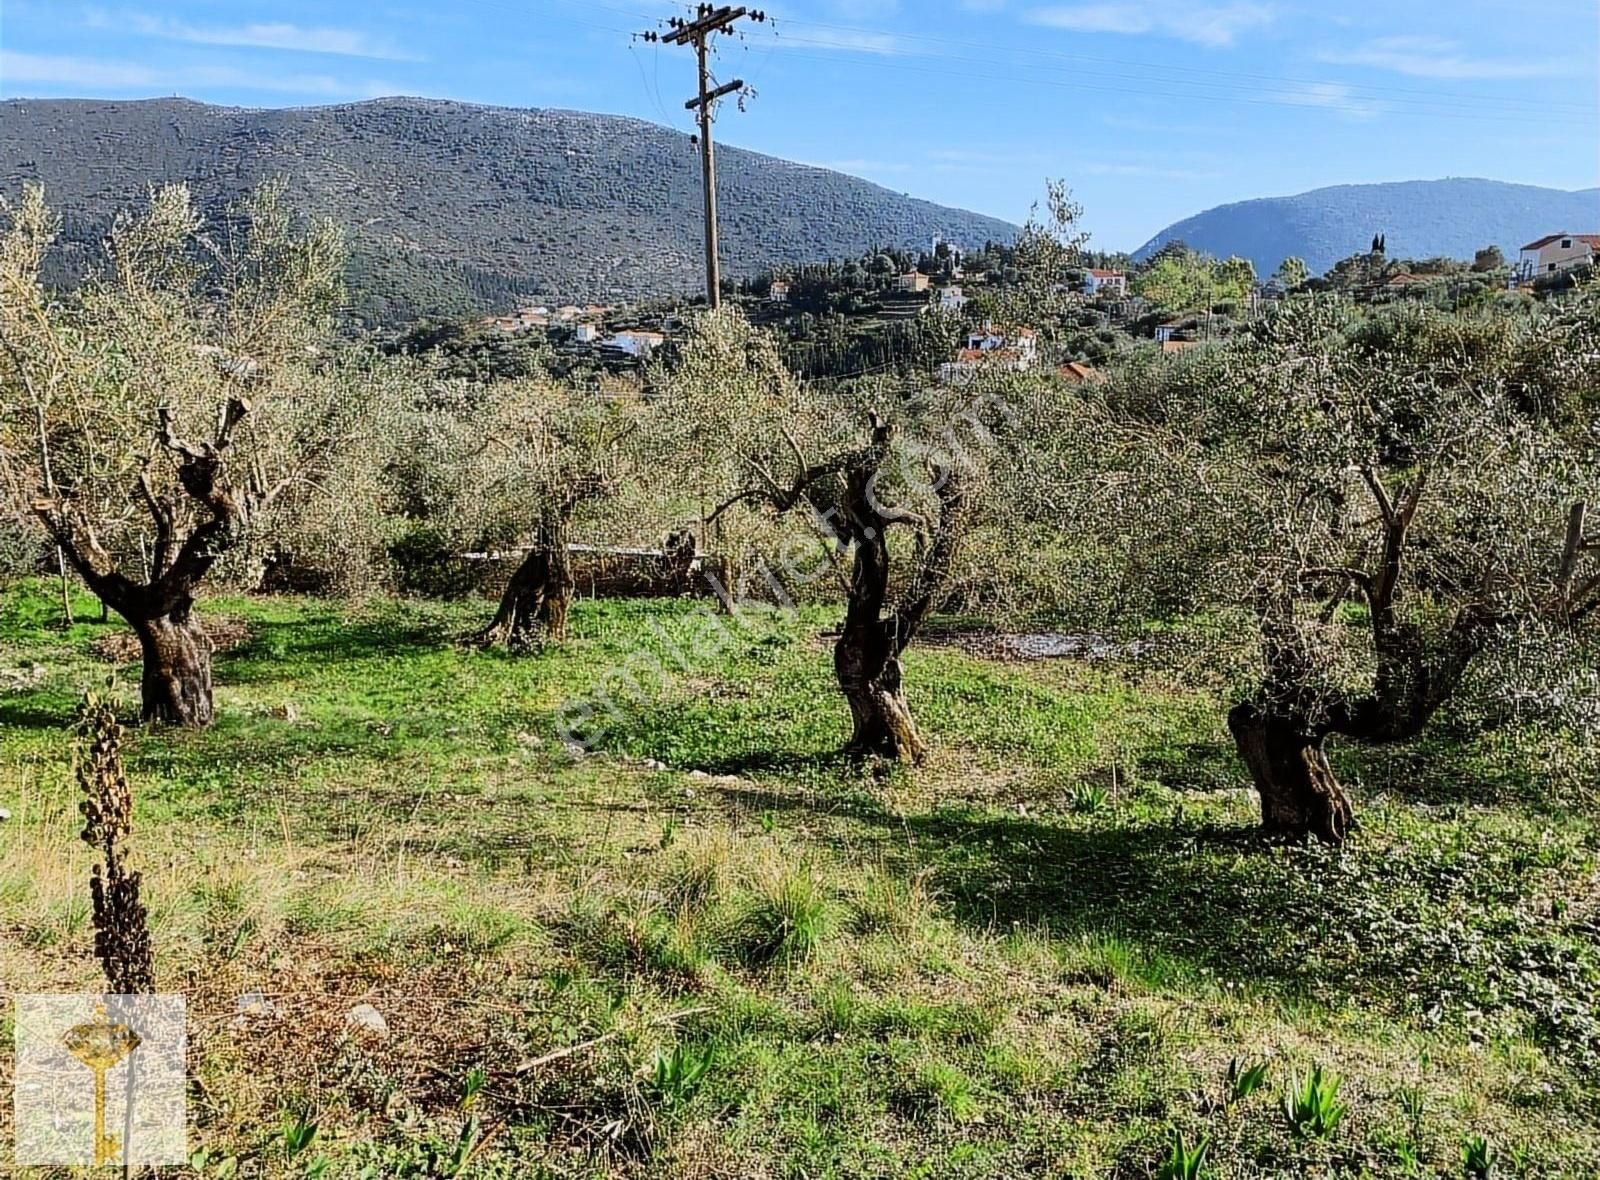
[[454, 207], [1421, 218]]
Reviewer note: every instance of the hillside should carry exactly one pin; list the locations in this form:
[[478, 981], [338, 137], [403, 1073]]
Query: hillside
[[1422, 218], [452, 206]]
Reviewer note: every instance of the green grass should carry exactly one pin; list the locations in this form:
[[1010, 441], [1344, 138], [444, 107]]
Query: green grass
[[958, 970]]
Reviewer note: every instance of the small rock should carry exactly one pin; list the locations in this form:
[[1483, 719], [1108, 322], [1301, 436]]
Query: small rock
[[365, 1018], [286, 712], [4, 815], [698, 774], [250, 1008], [653, 764]]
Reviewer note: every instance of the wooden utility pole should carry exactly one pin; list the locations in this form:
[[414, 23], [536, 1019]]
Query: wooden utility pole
[[709, 20]]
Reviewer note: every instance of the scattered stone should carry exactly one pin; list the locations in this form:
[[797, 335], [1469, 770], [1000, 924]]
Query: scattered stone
[[367, 1019], [251, 1008], [4, 815], [528, 739], [286, 712], [653, 764], [698, 774]]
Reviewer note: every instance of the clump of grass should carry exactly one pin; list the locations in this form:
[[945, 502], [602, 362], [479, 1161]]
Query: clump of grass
[[698, 877], [893, 903], [838, 1009], [782, 921], [937, 1087]]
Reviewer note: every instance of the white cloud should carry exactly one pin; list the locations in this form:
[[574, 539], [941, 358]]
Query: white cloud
[[274, 35], [1213, 25], [1335, 96], [1439, 57], [84, 73]]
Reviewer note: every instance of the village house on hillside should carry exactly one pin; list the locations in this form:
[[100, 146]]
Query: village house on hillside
[[1078, 373], [636, 342], [1105, 282], [913, 281], [990, 347], [951, 299], [1556, 253]]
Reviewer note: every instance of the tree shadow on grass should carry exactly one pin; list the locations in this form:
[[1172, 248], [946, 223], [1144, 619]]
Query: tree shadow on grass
[[280, 650], [1204, 896]]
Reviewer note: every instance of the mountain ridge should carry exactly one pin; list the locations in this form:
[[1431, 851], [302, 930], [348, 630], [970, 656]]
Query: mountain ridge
[[455, 206], [1451, 217]]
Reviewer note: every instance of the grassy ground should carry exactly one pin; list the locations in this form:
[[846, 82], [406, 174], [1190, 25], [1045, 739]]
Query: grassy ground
[[709, 948]]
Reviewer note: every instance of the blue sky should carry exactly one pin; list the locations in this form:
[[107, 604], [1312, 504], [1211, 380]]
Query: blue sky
[[1151, 109]]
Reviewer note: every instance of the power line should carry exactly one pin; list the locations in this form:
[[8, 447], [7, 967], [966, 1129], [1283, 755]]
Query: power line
[[708, 22]]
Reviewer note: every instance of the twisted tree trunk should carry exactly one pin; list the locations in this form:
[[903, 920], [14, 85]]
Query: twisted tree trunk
[[538, 597], [866, 657], [870, 680], [1289, 767], [175, 686]]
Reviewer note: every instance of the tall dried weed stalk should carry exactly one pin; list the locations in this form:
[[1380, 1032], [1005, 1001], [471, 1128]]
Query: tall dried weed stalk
[[121, 925]]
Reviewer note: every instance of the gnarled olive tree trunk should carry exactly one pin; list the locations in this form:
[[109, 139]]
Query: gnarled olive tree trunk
[[537, 599], [1280, 733], [1289, 767], [175, 684], [866, 657]]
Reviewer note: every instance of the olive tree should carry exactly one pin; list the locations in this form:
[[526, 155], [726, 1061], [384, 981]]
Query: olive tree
[[510, 466], [153, 421], [1394, 513], [863, 466]]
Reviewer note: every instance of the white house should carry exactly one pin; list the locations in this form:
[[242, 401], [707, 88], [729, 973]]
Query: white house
[[913, 280], [1022, 343], [636, 342], [1105, 282], [1556, 253], [586, 333], [951, 299], [779, 291]]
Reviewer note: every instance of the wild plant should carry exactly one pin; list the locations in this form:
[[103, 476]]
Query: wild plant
[[1313, 1107], [675, 1076], [1244, 1080], [1184, 1162], [1477, 1158], [121, 925]]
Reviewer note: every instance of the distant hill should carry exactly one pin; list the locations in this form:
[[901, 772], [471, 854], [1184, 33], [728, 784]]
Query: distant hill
[[453, 207], [1422, 218]]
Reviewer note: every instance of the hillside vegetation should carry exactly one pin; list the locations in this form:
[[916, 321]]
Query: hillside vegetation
[[451, 206], [1421, 218]]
